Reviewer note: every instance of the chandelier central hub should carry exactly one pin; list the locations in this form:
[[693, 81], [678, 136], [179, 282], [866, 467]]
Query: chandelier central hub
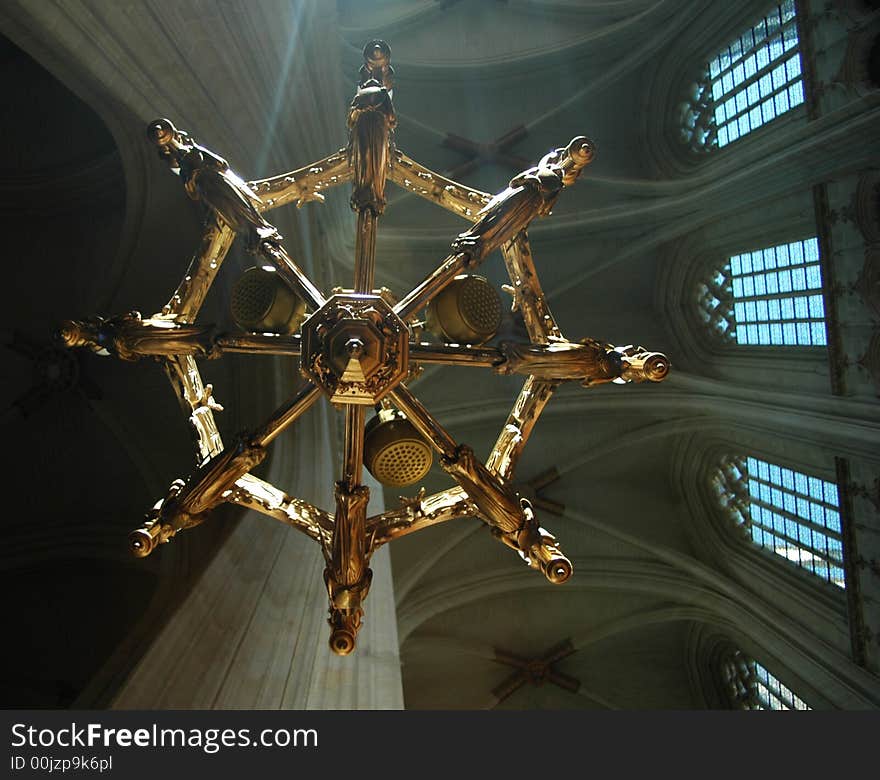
[[355, 348]]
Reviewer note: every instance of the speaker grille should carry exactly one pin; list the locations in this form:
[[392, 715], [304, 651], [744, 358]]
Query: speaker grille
[[480, 305], [402, 463], [252, 297]]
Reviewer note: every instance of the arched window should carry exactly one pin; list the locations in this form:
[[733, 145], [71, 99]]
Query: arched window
[[750, 686], [791, 514], [748, 83], [767, 297]]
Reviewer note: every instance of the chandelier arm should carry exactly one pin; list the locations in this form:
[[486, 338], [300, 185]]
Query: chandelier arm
[[528, 297], [424, 422], [190, 294], [420, 512], [285, 415], [347, 575], [197, 401], [291, 274], [257, 344], [353, 444], [304, 184], [520, 422], [188, 504], [455, 355], [413, 177], [530, 194], [254, 493], [421, 294], [129, 337], [512, 519]]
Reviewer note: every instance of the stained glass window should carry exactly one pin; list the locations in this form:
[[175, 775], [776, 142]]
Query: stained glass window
[[750, 686], [792, 514], [776, 295], [748, 83]]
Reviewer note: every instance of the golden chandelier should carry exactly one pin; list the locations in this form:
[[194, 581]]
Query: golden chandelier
[[359, 346]]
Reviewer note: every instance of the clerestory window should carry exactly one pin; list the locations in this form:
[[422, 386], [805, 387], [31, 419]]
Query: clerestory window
[[748, 83], [767, 297], [792, 514], [750, 686]]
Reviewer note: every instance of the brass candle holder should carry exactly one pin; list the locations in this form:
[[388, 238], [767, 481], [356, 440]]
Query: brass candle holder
[[358, 346]]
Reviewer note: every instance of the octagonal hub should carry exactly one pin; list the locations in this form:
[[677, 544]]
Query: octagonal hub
[[355, 348]]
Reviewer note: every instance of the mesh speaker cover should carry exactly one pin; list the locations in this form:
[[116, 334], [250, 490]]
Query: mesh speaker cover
[[260, 301], [467, 311], [480, 306], [402, 463], [394, 451]]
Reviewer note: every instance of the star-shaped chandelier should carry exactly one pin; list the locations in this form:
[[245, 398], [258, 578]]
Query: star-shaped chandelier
[[360, 346]]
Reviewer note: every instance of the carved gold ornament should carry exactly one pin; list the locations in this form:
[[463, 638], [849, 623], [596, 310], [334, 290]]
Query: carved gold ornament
[[358, 347]]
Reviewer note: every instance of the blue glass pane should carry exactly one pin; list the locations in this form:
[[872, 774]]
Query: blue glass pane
[[830, 493], [778, 76], [734, 264], [781, 102], [776, 334], [818, 334], [803, 334], [762, 311], [799, 532], [811, 250], [814, 277], [760, 287]]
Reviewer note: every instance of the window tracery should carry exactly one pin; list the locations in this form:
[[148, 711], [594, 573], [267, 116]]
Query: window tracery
[[748, 83], [791, 514]]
